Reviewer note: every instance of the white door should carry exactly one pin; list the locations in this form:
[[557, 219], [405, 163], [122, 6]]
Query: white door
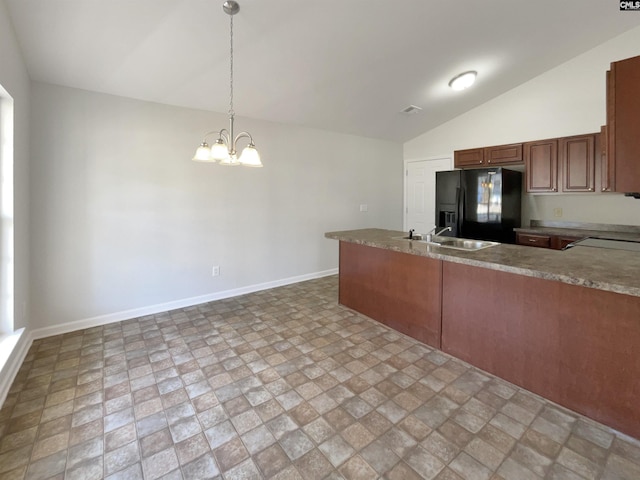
[[420, 193]]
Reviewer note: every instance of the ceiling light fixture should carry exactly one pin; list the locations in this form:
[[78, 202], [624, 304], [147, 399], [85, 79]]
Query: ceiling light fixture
[[464, 80], [224, 150]]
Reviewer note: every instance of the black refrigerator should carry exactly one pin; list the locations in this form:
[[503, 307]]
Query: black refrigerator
[[483, 204]]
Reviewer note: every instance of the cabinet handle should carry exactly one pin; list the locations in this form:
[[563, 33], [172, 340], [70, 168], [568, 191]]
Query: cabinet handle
[[532, 239], [590, 189]]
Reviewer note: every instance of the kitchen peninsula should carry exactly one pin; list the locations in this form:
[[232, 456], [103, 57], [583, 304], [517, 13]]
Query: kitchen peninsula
[[562, 324]]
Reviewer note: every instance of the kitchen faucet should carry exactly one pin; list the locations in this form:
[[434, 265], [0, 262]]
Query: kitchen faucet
[[430, 235]]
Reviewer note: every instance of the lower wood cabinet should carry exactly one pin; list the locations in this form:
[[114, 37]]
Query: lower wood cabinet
[[532, 240], [555, 242], [558, 242], [574, 345]]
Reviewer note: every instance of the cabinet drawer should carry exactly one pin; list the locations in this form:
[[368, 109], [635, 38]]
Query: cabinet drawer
[[543, 241]]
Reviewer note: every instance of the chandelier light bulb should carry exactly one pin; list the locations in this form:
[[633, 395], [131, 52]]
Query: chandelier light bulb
[[203, 153], [250, 157], [219, 151]]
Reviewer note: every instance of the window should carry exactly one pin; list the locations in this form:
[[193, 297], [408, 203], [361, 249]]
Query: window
[[6, 213]]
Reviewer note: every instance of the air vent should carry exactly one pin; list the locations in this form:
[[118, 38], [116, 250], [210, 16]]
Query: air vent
[[411, 110]]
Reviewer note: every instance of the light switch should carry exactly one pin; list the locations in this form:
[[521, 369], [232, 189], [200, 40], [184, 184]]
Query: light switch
[[364, 207]]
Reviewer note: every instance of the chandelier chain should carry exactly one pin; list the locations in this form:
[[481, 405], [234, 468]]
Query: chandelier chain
[[231, 112]]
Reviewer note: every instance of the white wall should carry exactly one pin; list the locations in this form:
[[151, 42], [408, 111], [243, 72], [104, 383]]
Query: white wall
[[14, 79], [568, 100], [122, 219]]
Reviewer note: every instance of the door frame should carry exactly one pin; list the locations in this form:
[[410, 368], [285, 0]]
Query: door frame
[[405, 193]]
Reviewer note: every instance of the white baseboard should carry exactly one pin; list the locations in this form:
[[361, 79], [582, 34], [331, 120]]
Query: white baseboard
[[164, 307], [14, 349]]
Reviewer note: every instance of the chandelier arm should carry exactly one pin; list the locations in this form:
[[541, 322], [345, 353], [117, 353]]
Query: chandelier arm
[[242, 135], [223, 134]]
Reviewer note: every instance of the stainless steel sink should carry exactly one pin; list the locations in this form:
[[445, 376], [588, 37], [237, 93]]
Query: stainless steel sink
[[455, 243], [463, 243]]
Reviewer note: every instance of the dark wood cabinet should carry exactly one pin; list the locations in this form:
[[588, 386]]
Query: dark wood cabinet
[[541, 166], [566, 164], [503, 155], [532, 240], [607, 167], [577, 160], [473, 157], [558, 242], [623, 125], [555, 242], [496, 156]]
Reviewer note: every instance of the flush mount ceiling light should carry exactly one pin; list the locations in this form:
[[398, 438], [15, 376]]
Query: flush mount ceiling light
[[224, 150], [464, 80]]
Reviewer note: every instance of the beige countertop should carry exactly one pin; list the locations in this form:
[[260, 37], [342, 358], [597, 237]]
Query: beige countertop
[[612, 270]]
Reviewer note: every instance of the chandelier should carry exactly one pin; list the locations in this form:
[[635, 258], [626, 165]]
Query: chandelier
[[224, 149]]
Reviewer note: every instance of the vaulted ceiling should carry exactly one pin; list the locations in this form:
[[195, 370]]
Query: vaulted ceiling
[[346, 66]]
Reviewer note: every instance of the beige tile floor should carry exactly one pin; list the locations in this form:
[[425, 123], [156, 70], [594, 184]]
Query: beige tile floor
[[283, 384]]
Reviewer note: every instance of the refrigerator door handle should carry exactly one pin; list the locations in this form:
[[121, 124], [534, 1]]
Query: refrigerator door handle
[[459, 210]]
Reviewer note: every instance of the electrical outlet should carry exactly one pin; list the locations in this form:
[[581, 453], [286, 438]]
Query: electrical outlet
[[364, 207], [216, 271], [557, 212]]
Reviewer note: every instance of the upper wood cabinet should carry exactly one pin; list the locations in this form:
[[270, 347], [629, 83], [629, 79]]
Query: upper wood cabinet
[[497, 156], [503, 155], [541, 166], [564, 164], [623, 126], [577, 160], [473, 157], [607, 167]]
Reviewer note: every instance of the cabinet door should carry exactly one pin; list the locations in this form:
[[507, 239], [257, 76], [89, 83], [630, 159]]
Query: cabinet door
[[503, 155], [577, 157], [541, 166], [473, 157], [623, 111], [607, 167]]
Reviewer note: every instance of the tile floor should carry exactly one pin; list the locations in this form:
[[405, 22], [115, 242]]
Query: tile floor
[[283, 384]]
